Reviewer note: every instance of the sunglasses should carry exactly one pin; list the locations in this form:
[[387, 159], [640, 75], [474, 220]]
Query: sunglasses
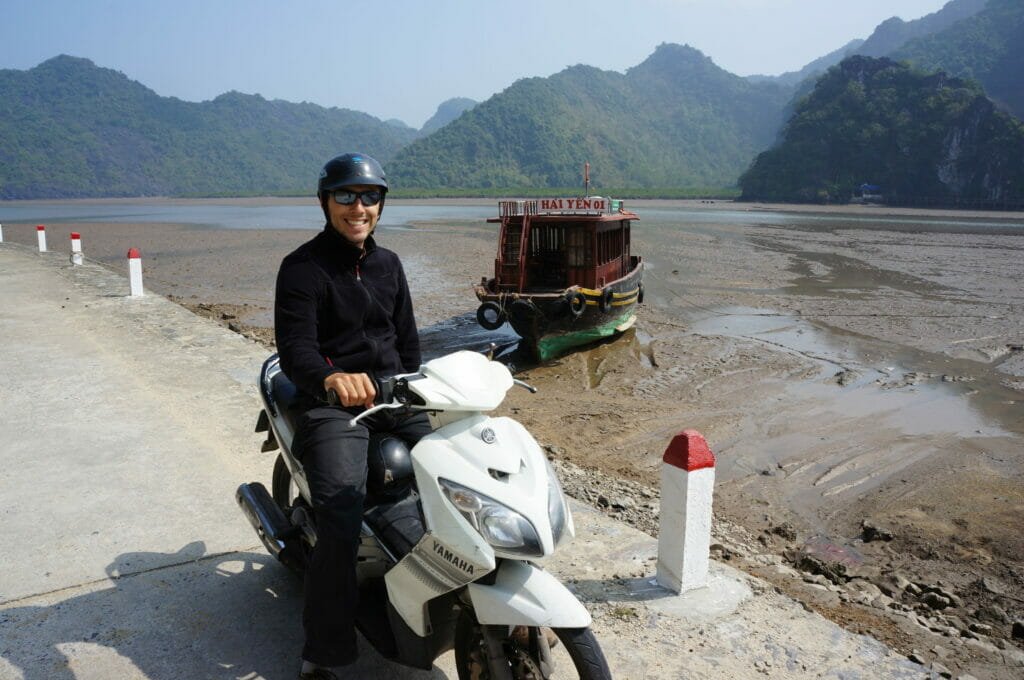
[[367, 198]]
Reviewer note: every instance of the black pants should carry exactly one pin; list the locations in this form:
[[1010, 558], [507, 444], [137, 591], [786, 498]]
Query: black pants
[[334, 458]]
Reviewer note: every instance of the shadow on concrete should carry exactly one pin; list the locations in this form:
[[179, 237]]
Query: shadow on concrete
[[725, 591], [235, 615]]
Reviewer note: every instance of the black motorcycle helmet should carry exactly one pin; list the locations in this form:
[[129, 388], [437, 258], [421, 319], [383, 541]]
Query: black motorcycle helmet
[[349, 169]]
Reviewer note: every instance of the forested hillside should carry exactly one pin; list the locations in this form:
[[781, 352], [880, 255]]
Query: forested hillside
[[922, 137], [887, 38], [676, 120], [893, 33], [70, 129], [448, 111], [988, 47], [813, 69]]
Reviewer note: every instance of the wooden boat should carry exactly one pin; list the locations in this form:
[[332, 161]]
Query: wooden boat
[[564, 275]]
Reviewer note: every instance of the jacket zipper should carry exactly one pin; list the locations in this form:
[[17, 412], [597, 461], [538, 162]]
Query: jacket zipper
[[369, 295]]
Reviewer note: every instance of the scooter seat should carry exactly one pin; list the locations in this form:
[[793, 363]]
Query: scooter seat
[[286, 399], [280, 392]]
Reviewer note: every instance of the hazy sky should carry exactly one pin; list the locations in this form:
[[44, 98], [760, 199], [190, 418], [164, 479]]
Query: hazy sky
[[401, 58]]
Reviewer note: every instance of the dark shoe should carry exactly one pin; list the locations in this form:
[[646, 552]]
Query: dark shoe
[[311, 671], [320, 673]]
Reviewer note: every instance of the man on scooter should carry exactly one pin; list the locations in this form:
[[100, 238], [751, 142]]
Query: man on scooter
[[342, 314]]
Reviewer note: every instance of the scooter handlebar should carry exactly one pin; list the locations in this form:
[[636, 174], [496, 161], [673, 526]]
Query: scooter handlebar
[[378, 407], [385, 389], [391, 392], [520, 383]]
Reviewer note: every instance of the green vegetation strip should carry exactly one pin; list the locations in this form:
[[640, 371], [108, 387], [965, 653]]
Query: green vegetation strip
[[510, 192]]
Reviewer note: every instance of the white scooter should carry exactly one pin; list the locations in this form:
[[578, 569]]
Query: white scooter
[[449, 529]]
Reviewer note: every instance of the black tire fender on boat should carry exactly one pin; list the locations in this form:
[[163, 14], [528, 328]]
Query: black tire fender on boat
[[606, 299], [523, 311], [577, 302], [640, 294], [485, 321]]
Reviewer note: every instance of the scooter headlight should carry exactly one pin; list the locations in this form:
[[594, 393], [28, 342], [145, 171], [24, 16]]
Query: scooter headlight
[[501, 526], [558, 513]]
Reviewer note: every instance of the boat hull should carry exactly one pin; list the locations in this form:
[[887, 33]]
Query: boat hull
[[552, 322]]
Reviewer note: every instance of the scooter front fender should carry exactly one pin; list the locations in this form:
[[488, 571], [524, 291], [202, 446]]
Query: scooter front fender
[[526, 595]]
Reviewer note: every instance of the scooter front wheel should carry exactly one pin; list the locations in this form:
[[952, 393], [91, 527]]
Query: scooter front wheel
[[525, 653]]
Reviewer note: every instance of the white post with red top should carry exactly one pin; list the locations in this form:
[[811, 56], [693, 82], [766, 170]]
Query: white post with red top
[[76, 248], [135, 272], [41, 235], [684, 530]]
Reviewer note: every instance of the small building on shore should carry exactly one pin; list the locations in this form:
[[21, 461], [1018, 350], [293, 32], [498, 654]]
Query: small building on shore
[[867, 193]]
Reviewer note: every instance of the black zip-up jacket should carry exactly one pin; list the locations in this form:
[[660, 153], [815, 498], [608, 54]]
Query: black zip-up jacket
[[341, 309]]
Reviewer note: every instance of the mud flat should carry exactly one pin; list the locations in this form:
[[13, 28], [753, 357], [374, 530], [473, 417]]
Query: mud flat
[[859, 374]]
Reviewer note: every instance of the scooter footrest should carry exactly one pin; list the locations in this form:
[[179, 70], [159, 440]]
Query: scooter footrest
[[270, 443]]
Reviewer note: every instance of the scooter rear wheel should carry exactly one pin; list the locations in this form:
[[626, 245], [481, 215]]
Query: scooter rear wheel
[[285, 493], [281, 487], [577, 656]]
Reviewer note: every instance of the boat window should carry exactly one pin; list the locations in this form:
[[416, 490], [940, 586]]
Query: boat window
[[547, 264], [611, 246], [576, 249]]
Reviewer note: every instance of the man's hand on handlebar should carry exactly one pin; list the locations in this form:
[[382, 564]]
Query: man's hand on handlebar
[[353, 389]]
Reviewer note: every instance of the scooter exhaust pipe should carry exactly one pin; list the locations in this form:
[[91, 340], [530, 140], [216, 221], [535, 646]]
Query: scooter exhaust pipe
[[265, 516]]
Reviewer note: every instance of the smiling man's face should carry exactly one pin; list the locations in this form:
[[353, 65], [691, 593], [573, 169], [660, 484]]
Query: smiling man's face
[[356, 221]]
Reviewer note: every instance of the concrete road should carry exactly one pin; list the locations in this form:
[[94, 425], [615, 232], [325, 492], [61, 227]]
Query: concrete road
[[125, 426]]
